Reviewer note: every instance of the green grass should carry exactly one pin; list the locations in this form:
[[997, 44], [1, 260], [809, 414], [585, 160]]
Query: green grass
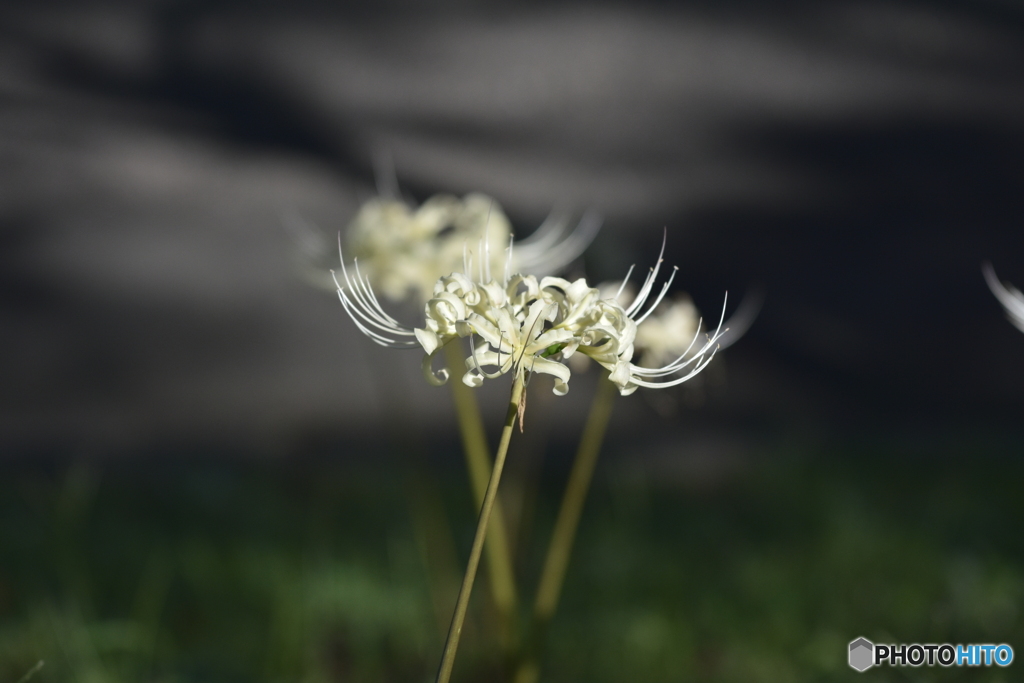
[[253, 572]]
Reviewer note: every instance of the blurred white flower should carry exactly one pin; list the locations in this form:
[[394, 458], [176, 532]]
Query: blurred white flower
[[529, 326], [664, 335], [1009, 296], [403, 250]]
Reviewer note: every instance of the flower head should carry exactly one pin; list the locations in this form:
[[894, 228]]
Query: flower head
[[665, 333], [1009, 296], [519, 324], [403, 249]]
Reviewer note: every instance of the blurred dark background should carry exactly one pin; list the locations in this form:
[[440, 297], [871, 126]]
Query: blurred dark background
[[856, 161]]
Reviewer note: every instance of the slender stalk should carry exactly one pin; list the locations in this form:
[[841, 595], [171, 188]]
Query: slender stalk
[[478, 462], [556, 562], [31, 672], [444, 672]]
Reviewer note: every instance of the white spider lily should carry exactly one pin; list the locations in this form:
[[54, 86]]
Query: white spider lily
[[665, 333], [403, 250], [517, 340], [526, 326], [611, 340], [1009, 296]]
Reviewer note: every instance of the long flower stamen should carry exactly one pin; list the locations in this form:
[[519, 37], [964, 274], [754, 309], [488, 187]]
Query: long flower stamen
[[372, 299], [545, 236], [679, 380], [548, 253], [374, 337], [661, 295], [508, 260], [625, 280], [645, 290], [478, 366], [680, 363], [487, 240], [362, 306], [480, 267], [377, 338]]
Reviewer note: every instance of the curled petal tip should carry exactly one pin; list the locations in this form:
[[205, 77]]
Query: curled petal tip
[[437, 379]]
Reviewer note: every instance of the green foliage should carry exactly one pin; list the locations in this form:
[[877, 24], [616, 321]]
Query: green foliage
[[259, 573]]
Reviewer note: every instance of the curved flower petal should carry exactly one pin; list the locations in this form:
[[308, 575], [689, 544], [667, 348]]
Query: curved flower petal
[[559, 371], [428, 340], [548, 339], [437, 379], [620, 373], [498, 338]]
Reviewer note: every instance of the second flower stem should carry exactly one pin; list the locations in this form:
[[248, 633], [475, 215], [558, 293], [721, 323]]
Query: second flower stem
[[462, 603], [557, 561]]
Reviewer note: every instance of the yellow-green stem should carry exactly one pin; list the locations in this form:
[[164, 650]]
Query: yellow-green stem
[[451, 645], [31, 672], [478, 462], [556, 562]]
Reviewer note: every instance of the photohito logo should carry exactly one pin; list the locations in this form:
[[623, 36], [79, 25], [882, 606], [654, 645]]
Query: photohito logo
[[864, 654]]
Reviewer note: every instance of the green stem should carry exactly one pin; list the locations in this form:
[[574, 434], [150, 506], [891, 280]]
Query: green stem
[[478, 462], [556, 562], [31, 672], [455, 630]]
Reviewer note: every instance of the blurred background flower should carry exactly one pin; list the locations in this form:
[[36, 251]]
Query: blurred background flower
[[1009, 296], [403, 250]]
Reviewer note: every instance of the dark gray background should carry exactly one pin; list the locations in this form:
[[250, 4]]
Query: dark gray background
[[857, 160]]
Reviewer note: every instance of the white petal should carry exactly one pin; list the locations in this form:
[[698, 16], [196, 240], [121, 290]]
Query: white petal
[[436, 379], [620, 375], [532, 326], [488, 331], [560, 372], [549, 338], [578, 290], [472, 379], [552, 281], [428, 340]]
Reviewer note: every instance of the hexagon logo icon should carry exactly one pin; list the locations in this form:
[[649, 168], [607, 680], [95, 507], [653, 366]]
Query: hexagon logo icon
[[862, 654]]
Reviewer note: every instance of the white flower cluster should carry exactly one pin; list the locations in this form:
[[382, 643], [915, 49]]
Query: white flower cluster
[[403, 250], [527, 326]]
